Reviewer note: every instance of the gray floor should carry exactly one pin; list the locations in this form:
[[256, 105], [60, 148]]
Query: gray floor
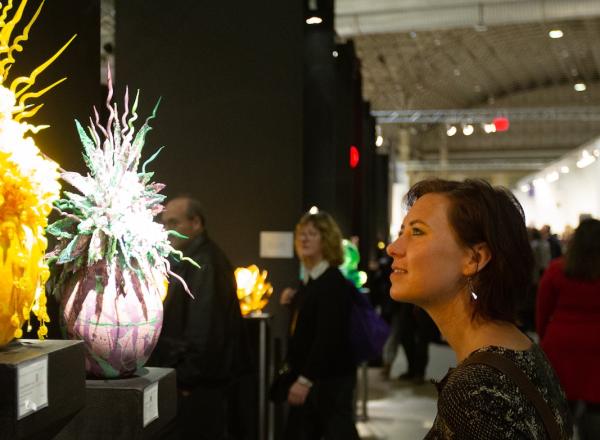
[[400, 410]]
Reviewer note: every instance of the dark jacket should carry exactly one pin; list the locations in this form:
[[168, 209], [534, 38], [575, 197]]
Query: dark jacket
[[319, 346], [202, 338]]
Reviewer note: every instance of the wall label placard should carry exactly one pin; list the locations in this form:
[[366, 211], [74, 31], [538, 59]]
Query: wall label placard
[[150, 404], [276, 244], [32, 386]]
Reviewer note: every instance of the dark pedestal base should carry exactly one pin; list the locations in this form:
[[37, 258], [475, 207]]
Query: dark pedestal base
[[64, 387], [116, 409]]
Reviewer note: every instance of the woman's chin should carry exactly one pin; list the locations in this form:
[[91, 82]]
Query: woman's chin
[[399, 295]]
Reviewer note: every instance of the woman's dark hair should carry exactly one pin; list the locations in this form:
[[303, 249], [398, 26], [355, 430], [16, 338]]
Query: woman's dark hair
[[582, 259], [481, 213]]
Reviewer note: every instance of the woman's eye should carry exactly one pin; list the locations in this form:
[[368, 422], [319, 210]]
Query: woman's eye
[[416, 231]]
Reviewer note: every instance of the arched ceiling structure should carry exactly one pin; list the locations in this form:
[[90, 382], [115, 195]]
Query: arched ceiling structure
[[424, 55]]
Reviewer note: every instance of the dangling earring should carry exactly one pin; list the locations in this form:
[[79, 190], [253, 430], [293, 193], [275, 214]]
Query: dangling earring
[[470, 288]]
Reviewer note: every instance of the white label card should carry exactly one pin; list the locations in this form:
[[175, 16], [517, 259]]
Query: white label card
[[275, 244], [32, 386], [150, 403]]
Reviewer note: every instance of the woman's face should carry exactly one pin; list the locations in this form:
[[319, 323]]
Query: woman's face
[[428, 262], [308, 243]]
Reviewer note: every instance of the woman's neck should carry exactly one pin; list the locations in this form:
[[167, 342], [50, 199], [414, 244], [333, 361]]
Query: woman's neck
[[310, 262], [465, 334]]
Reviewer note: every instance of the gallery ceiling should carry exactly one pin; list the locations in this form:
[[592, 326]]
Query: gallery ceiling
[[465, 60]]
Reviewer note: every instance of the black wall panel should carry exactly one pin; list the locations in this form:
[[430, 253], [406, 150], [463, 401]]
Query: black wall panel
[[230, 77]]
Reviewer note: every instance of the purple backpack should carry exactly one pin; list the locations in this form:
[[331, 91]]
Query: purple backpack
[[368, 330]]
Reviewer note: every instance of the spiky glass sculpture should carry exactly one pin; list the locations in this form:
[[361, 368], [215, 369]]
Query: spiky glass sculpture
[[28, 186], [111, 257]]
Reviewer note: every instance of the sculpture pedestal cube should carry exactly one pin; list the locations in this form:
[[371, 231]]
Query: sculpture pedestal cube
[[135, 408], [42, 387]]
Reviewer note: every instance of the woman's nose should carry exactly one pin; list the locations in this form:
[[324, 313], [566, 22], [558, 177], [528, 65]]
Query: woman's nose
[[395, 248]]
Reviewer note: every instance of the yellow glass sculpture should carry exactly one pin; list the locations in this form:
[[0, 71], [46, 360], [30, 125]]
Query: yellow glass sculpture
[[253, 290], [28, 187]]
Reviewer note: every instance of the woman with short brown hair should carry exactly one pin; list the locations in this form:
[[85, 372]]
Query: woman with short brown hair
[[462, 254]]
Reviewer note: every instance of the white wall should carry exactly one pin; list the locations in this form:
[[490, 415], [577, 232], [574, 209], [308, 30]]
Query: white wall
[[560, 203]]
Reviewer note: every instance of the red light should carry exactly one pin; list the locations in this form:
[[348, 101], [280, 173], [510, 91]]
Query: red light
[[354, 156], [501, 123]]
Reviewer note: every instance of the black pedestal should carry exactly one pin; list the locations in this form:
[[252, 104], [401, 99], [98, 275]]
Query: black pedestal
[[259, 332], [123, 409], [42, 386]]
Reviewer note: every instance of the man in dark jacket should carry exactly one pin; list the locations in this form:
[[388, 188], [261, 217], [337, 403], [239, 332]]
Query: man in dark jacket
[[201, 338], [553, 242]]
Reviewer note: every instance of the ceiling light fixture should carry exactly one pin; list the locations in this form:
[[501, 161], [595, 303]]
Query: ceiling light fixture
[[552, 177], [555, 33], [489, 128], [314, 20], [451, 131], [335, 54], [586, 159], [378, 136], [538, 182], [564, 169], [468, 129], [580, 87], [525, 188]]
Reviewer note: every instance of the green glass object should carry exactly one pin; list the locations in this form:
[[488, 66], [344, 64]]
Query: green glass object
[[349, 267]]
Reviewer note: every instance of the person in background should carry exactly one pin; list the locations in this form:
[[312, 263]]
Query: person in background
[[319, 353], [462, 254], [553, 241], [568, 323], [541, 258], [201, 338], [566, 236], [417, 330]]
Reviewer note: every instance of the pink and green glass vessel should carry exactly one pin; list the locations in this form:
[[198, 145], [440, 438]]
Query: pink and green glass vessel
[[110, 266]]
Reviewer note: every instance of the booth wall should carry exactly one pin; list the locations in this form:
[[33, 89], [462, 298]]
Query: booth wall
[[230, 78]]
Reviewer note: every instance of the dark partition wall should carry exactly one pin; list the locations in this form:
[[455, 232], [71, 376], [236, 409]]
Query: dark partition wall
[[323, 156], [230, 78], [368, 208], [80, 63], [380, 195]]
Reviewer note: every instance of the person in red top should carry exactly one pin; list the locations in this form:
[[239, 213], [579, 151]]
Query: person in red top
[[568, 322]]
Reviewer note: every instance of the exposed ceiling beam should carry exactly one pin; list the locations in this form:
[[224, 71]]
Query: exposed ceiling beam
[[358, 17], [454, 116], [530, 153], [480, 165]]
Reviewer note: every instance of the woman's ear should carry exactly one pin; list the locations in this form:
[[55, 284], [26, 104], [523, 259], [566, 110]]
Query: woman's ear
[[480, 256]]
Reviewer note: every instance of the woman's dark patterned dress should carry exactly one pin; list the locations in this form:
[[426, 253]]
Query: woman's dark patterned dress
[[478, 402]]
